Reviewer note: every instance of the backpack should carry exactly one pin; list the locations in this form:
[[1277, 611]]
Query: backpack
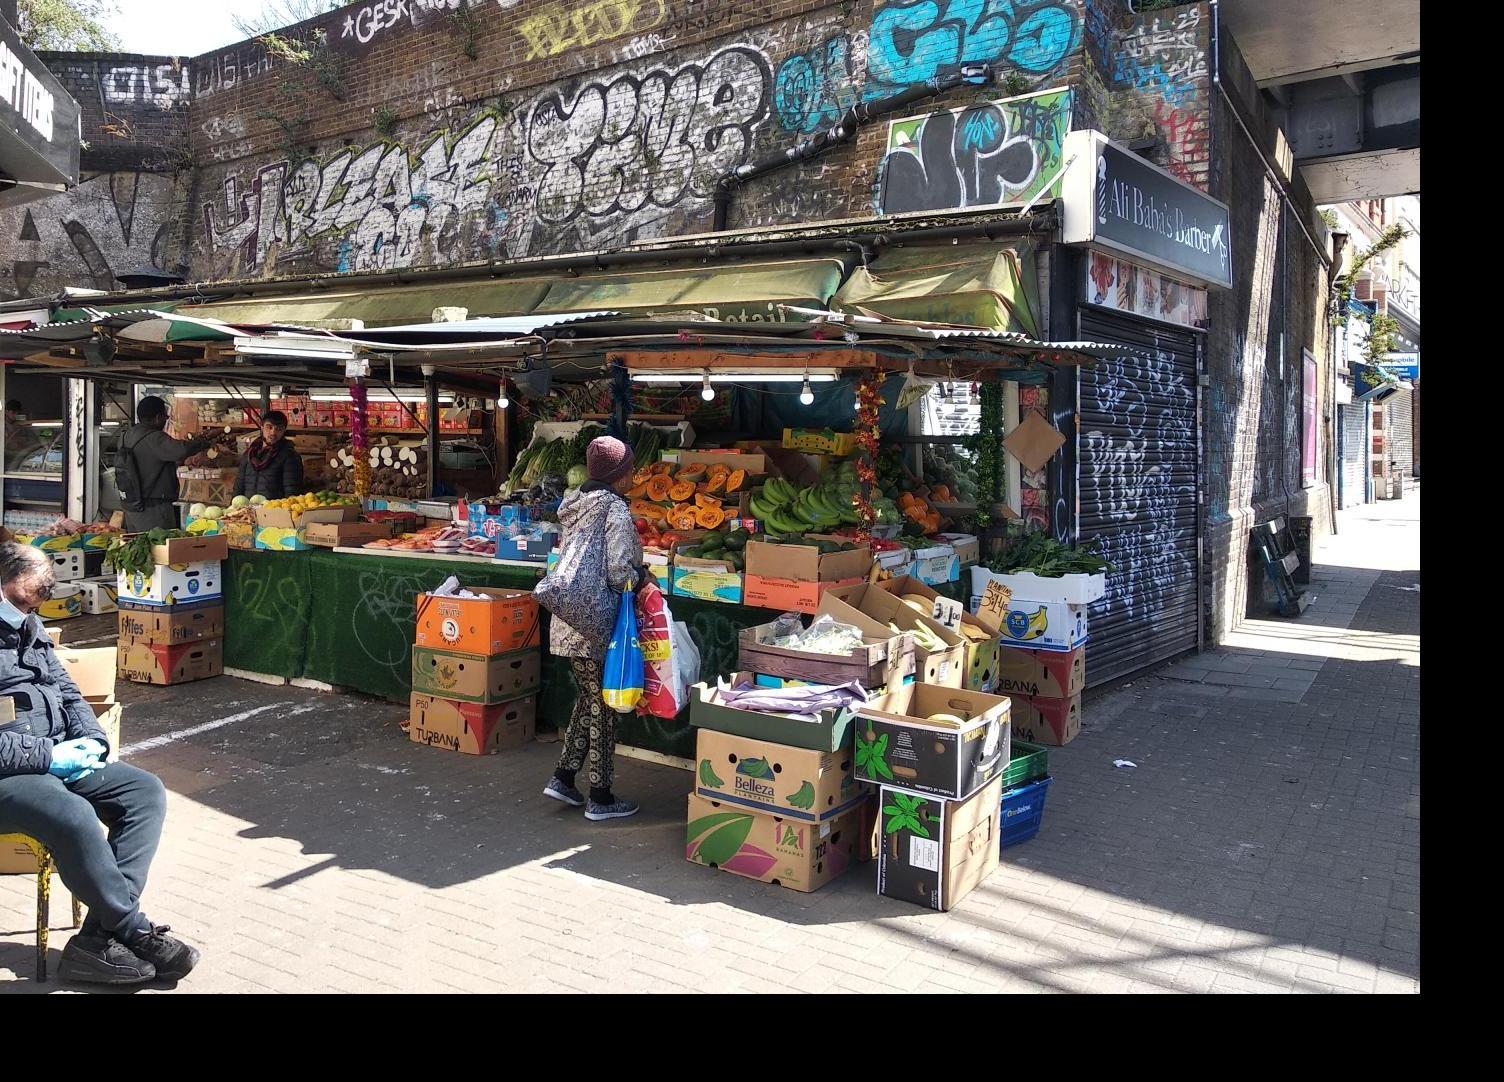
[[128, 477]]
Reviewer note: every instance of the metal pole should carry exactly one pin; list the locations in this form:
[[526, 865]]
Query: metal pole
[[266, 402], [431, 399]]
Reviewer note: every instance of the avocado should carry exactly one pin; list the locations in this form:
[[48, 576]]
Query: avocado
[[715, 539], [736, 540], [736, 560]]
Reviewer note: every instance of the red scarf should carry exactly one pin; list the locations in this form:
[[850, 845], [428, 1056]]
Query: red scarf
[[261, 453]]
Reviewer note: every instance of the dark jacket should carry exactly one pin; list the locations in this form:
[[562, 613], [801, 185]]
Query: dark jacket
[[283, 475], [49, 707], [157, 457]]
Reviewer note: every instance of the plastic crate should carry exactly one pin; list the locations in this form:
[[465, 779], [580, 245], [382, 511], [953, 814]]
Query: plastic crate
[[1025, 763], [1023, 811]]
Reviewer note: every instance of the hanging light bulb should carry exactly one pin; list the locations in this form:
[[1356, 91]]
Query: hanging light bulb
[[806, 396], [502, 401], [707, 392]]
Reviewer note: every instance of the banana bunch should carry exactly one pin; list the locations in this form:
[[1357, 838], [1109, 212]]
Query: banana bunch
[[925, 640], [788, 508]]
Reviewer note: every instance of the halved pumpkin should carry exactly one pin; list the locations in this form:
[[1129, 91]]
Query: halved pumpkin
[[718, 469], [642, 476], [681, 491], [659, 486], [695, 472], [637, 491], [717, 482], [682, 517], [735, 480], [650, 511], [709, 517], [662, 467], [704, 499]]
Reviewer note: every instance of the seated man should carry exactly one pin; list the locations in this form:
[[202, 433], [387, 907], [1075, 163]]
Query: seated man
[[56, 787]]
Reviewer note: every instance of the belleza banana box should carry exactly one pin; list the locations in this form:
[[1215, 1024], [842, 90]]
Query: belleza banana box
[[796, 783], [1040, 625], [940, 741], [771, 848]]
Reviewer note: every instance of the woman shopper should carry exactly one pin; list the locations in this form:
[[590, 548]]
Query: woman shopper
[[271, 465], [596, 514]]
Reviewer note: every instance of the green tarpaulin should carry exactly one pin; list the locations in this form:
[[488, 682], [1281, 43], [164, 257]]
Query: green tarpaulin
[[977, 285], [348, 620]]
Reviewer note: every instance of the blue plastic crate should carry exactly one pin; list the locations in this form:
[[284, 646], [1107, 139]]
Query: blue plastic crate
[[1023, 811]]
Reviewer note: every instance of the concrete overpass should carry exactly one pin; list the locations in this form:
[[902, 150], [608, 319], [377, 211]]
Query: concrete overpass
[[1343, 78]]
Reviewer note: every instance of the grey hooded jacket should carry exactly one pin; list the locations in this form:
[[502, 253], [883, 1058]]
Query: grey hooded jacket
[[593, 514]]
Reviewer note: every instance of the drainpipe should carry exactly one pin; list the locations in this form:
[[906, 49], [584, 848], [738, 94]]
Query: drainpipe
[[1333, 463], [842, 131]]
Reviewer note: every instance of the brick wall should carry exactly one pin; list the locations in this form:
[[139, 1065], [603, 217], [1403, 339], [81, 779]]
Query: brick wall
[[130, 207]]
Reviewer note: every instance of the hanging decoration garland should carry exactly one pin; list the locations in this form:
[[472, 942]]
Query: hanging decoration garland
[[869, 401], [988, 446], [359, 445]]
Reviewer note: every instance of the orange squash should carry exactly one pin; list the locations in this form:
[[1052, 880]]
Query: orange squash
[[942, 493], [642, 476], [704, 499], [681, 491], [710, 517], [718, 469], [695, 472], [682, 517], [662, 467], [717, 483], [637, 491], [735, 480], [650, 511], [658, 487]]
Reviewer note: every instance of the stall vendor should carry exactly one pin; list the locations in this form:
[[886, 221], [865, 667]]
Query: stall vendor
[[271, 466], [154, 456]]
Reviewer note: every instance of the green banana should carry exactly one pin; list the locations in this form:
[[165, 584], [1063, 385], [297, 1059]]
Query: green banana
[[708, 776], [804, 798]]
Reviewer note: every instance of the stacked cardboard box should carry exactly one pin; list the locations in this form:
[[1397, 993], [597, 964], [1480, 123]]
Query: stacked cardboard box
[[171, 623], [476, 670], [938, 755]]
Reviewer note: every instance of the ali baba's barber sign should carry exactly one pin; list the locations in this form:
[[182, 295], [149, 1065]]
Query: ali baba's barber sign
[[1113, 199]]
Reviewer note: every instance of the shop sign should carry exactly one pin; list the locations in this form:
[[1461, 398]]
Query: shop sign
[[1372, 384], [1142, 291], [39, 142], [1114, 199], [1402, 365]]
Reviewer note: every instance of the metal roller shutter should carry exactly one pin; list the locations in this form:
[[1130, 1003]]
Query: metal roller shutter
[[1354, 424], [1139, 473]]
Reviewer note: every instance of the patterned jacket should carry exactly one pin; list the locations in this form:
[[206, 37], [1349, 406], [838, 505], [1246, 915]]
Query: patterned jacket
[[582, 514]]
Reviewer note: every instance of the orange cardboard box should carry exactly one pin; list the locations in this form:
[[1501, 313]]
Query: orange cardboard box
[[498, 623]]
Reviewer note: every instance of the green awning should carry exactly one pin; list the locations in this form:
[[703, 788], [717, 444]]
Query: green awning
[[734, 292], [387, 307], [987, 284]]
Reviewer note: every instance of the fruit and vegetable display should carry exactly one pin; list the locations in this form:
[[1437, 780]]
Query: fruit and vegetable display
[[312, 501], [787, 508], [698, 496], [133, 554], [726, 546], [213, 512], [565, 456], [398, 467], [1046, 557], [825, 635]]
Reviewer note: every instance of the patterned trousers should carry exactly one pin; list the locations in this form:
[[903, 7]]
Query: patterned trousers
[[592, 727]]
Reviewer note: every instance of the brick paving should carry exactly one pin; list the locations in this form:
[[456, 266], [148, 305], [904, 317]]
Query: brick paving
[[1267, 840]]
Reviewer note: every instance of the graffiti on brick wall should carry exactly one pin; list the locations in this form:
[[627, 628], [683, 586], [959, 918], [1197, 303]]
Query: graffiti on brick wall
[[814, 87], [982, 155], [562, 26], [1128, 287], [913, 42], [1164, 58], [1138, 473], [165, 86], [595, 167], [111, 223]]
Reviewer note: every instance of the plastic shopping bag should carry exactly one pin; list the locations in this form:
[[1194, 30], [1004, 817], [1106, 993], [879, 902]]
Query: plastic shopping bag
[[686, 663], [621, 682], [655, 636]]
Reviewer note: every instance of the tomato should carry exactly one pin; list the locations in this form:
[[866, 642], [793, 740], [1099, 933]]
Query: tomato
[[642, 525]]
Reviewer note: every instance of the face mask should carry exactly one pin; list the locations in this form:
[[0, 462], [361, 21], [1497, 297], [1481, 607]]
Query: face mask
[[10, 614]]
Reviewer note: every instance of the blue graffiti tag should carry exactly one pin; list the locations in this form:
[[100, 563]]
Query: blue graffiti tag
[[914, 42], [809, 90]]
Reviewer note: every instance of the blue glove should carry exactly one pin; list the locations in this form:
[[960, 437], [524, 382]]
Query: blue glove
[[72, 756]]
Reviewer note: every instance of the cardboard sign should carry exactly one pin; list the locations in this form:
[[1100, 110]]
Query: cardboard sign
[[992, 610]]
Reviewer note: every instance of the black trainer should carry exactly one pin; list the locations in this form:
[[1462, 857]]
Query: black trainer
[[173, 958], [102, 960]]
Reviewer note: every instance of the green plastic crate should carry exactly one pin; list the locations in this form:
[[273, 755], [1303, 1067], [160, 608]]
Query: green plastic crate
[[1026, 762]]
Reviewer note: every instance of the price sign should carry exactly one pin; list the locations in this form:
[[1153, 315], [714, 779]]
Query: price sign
[[992, 610], [947, 613]]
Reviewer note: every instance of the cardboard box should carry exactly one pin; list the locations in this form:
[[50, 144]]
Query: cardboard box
[[155, 663], [1041, 625], [180, 551], [471, 728], [168, 585], [1065, 589], [67, 566], [882, 659], [238, 535], [172, 626], [1053, 674], [897, 745], [55, 634], [93, 671], [829, 731], [207, 486], [92, 542], [531, 546], [707, 580], [49, 542], [936, 565], [18, 859], [475, 678], [346, 534], [770, 848], [981, 652], [968, 547], [499, 622], [935, 852], [65, 603], [98, 595], [278, 530], [819, 441], [1041, 720], [946, 666], [796, 783], [792, 577]]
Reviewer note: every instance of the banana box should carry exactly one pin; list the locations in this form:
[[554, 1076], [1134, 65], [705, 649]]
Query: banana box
[[1040, 625], [940, 741], [771, 847], [98, 595], [796, 783], [171, 584], [66, 602]]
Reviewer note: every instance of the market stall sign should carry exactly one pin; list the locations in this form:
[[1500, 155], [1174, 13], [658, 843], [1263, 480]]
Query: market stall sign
[[1114, 199], [39, 140]]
